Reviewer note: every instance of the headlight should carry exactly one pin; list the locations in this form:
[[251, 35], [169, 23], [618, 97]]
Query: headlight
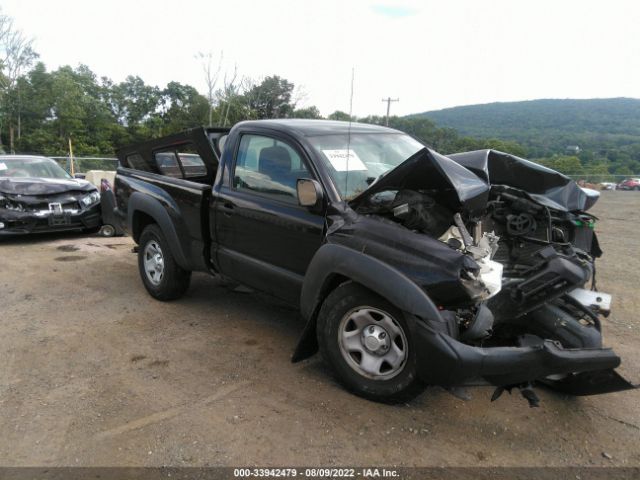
[[91, 199]]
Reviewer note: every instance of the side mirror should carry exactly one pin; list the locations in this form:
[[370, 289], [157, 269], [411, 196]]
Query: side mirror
[[309, 192]]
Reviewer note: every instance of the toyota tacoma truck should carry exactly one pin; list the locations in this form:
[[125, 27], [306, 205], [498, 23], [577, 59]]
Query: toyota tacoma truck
[[408, 267]]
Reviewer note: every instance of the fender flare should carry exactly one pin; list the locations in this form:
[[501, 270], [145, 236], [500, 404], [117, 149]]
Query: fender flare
[[336, 260], [151, 206]]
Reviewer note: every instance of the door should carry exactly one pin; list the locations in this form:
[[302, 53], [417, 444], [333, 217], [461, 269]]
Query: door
[[265, 238]]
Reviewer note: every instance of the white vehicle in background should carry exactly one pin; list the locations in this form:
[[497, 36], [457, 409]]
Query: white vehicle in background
[[608, 185]]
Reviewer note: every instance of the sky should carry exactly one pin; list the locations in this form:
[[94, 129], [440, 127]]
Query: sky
[[428, 54]]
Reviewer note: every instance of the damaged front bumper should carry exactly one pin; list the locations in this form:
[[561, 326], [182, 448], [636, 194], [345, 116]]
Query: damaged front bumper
[[13, 222], [444, 361]]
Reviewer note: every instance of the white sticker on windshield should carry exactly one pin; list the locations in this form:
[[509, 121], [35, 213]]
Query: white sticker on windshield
[[344, 160], [3, 166]]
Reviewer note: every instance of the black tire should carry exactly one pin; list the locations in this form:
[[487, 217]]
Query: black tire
[[636, 188], [174, 280], [342, 301]]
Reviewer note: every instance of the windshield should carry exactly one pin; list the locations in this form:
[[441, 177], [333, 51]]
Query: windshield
[[370, 156], [31, 167]]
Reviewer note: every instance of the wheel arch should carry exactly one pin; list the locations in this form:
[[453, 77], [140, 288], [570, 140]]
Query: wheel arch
[[333, 265], [144, 210]]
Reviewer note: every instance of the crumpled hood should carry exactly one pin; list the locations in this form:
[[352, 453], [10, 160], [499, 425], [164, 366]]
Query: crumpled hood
[[544, 185], [43, 186], [454, 185]]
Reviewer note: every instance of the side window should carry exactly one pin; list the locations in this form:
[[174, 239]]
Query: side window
[[192, 163], [167, 163], [136, 161], [268, 166], [181, 161]]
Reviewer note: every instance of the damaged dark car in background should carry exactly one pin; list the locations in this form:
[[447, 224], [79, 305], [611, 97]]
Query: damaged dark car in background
[[37, 195], [409, 267]]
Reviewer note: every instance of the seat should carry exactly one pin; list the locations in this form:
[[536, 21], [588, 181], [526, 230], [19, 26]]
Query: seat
[[275, 162]]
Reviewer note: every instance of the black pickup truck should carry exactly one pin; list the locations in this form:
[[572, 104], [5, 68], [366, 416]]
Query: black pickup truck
[[409, 267]]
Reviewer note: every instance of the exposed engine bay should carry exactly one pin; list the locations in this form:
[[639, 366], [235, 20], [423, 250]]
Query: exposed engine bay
[[534, 248]]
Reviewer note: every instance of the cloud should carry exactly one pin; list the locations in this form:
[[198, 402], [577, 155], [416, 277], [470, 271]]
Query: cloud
[[394, 11]]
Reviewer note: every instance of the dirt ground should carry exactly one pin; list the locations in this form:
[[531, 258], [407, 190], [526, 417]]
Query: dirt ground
[[96, 372]]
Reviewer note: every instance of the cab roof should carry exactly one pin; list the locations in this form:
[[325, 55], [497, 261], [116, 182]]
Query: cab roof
[[311, 128]]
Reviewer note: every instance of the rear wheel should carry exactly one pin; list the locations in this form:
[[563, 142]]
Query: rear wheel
[[163, 278], [107, 230], [367, 342]]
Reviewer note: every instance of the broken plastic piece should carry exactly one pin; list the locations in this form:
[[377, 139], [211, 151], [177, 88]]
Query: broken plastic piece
[[499, 391], [526, 390], [531, 397]]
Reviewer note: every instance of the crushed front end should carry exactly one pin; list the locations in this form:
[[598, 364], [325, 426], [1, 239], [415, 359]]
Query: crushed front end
[[24, 213], [511, 269]]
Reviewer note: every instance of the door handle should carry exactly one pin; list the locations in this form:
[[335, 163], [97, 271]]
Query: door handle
[[227, 208]]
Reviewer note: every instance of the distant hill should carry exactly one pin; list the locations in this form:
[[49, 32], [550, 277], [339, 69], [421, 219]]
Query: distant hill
[[546, 127]]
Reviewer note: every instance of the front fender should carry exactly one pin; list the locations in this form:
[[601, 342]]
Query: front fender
[[331, 261]]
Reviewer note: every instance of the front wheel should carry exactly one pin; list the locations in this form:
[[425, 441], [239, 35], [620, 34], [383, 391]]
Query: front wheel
[[367, 342], [163, 278]]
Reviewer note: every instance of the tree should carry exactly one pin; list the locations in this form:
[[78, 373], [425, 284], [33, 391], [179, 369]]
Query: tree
[[308, 112], [569, 165], [339, 115], [183, 108], [229, 98], [270, 99], [211, 74], [133, 101], [16, 56]]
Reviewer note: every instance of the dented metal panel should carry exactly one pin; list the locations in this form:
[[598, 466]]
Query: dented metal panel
[[546, 186], [454, 186]]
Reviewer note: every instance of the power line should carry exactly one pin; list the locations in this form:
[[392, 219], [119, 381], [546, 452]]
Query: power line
[[389, 100]]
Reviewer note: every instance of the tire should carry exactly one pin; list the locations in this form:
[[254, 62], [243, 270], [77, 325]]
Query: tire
[[353, 363], [167, 281], [636, 188], [107, 230]]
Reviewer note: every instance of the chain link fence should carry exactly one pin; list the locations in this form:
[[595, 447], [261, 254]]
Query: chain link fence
[[84, 164]]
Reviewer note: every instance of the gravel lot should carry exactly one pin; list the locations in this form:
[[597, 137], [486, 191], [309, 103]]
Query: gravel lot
[[96, 372]]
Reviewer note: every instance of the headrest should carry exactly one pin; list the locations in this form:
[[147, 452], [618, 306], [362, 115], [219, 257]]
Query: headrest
[[274, 159]]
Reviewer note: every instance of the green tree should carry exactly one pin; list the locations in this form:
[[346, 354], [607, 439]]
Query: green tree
[[16, 57], [569, 165], [183, 108], [308, 112], [270, 99], [342, 116]]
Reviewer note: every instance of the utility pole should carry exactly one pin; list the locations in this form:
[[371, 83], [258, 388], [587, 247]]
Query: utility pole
[[389, 100]]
